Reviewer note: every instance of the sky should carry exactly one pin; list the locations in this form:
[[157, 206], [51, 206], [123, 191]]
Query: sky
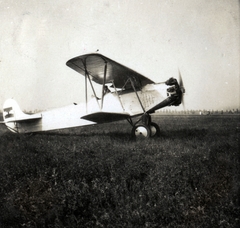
[[153, 37]]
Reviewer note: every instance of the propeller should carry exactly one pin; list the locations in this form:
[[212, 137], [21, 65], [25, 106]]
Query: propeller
[[181, 87]]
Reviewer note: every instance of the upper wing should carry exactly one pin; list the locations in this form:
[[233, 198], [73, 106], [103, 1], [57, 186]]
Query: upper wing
[[105, 117], [95, 63]]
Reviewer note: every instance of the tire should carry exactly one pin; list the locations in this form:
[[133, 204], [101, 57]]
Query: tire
[[141, 131], [155, 130]]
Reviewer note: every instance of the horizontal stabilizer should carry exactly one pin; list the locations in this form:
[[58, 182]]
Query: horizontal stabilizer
[[12, 113], [105, 117], [23, 118]]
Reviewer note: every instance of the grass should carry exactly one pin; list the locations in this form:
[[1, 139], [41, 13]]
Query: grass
[[98, 177]]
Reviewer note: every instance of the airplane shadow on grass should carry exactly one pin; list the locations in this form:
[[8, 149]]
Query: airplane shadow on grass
[[184, 133], [164, 134]]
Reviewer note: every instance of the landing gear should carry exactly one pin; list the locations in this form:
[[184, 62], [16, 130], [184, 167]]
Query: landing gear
[[155, 130], [141, 130], [146, 128]]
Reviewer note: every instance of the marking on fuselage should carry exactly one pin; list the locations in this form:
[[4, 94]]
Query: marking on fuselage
[[8, 110]]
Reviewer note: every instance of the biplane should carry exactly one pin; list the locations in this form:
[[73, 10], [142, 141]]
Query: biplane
[[117, 93]]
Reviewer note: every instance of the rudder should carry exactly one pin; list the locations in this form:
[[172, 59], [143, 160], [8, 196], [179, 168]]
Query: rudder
[[11, 113]]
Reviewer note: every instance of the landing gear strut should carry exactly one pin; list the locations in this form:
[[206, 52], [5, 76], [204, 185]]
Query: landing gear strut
[[145, 128]]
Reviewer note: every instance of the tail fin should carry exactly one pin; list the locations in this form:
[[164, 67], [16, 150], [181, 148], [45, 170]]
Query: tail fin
[[12, 115], [12, 111]]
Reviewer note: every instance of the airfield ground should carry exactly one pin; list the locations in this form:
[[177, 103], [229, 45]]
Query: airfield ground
[[98, 177]]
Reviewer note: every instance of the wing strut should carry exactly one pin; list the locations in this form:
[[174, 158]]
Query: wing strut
[[118, 95], [137, 95], [86, 91], [104, 80], [87, 77], [95, 95]]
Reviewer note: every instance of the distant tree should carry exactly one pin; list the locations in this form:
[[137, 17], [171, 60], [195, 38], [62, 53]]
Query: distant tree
[[193, 112]]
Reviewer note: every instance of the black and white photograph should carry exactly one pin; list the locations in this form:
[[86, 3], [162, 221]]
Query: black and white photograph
[[120, 113]]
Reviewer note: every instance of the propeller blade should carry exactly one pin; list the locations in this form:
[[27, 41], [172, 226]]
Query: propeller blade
[[180, 78], [181, 81], [181, 87]]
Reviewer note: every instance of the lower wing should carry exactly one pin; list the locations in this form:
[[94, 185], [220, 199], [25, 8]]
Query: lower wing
[[105, 117]]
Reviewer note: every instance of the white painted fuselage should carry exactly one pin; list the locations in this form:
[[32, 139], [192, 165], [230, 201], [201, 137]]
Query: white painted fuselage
[[131, 102]]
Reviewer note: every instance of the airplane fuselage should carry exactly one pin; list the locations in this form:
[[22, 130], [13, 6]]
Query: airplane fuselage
[[126, 101]]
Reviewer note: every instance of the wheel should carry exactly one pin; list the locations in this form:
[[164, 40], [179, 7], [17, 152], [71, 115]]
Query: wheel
[[155, 130], [141, 131]]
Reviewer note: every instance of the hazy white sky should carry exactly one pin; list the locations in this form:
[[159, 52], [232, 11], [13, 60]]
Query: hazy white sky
[[153, 37]]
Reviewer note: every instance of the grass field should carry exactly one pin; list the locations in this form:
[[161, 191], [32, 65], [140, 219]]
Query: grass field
[[98, 177]]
